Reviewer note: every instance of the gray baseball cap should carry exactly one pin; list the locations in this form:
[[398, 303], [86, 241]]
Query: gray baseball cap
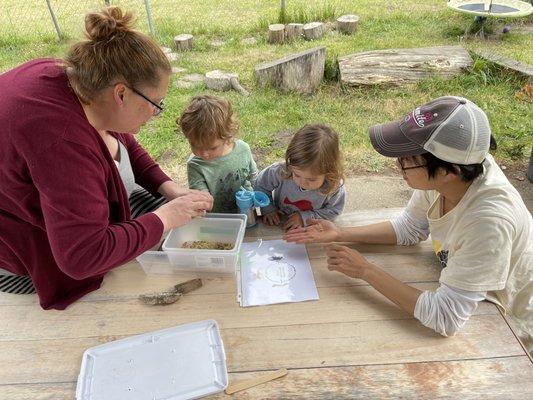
[[451, 128]]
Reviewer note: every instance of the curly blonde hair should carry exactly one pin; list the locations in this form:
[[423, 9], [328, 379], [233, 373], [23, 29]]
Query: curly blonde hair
[[208, 118], [316, 147]]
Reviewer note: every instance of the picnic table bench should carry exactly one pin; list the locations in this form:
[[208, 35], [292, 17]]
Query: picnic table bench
[[352, 343]]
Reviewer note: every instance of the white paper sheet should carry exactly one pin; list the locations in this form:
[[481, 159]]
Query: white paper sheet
[[274, 271]]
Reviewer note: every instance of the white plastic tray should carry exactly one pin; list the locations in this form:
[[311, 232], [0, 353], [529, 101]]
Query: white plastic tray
[[183, 362]]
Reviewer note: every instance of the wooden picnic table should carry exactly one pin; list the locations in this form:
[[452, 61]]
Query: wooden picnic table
[[352, 343]]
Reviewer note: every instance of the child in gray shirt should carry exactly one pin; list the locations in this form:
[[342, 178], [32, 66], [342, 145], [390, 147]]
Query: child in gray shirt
[[219, 164], [308, 184]]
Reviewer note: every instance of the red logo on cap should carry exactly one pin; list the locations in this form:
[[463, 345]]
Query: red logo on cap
[[419, 118]]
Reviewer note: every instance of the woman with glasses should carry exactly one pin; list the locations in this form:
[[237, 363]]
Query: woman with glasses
[[481, 230], [78, 195]]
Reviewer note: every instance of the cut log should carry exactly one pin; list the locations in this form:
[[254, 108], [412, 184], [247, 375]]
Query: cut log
[[313, 30], [301, 72], [222, 81], [183, 42], [402, 66], [276, 34], [293, 31], [347, 24]]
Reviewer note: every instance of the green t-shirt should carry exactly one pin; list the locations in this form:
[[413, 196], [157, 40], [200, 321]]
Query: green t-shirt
[[223, 176]]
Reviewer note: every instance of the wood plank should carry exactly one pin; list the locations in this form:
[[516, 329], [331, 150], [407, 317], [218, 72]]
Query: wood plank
[[505, 378], [131, 317], [409, 264], [500, 378], [506, 62], [301, 346]]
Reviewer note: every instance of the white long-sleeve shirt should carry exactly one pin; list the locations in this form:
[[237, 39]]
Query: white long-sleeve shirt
[[446, 310]]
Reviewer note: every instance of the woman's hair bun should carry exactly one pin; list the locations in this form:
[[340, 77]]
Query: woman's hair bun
[[108, 22]]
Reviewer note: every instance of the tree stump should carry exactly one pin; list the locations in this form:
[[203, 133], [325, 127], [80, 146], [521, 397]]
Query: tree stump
[[293, 31], [313, 30], [402, 66], [347, 24], [183, 42], [222, 81], [301, 72], [276, 33]]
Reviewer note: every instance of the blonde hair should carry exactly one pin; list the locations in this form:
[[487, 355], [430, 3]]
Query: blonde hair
[[206, 119], [113, 51], [316, 147]]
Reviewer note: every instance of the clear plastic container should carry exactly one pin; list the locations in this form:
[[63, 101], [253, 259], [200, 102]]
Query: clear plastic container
[[226, 228]]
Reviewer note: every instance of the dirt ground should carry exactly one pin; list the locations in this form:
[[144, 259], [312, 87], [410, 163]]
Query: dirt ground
[[388, 189]]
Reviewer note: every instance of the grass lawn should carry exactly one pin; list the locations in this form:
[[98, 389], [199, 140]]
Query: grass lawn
[[268, 116]]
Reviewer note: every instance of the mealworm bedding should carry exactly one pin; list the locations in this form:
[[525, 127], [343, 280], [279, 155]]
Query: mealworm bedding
[[205, 245]]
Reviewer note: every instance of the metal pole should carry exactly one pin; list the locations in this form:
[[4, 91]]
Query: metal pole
[[149, 17], [54, 19]]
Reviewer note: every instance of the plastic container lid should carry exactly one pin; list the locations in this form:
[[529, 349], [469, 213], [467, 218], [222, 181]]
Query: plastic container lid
[[183, 362]]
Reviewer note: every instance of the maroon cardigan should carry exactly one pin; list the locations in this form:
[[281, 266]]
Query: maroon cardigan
[[64, 211]]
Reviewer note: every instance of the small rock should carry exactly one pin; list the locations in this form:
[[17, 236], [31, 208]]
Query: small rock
[[217, 43], [190, 81], [503, 167], [520, 178], [185, 84], [178, 70], [194, 78], [172, 57], [250, 41]]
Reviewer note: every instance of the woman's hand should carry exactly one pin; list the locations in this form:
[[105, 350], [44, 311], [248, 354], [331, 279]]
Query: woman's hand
[[180, 211], [171, 190], [317, 231], [272, 218], [293, 222], [347, 261]]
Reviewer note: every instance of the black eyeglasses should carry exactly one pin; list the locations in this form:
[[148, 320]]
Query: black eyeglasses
[[158, 107], [400, 164]]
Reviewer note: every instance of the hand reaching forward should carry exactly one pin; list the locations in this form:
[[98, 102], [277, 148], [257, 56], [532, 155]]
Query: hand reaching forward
[[316, 231], [180, 211], [347, 261]]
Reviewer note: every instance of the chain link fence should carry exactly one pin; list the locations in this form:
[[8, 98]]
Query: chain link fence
[[31, 20]]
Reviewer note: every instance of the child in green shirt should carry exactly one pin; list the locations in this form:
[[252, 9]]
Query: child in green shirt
[[220, 163]]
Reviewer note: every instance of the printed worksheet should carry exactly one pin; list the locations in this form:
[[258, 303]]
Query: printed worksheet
[[274, 271]]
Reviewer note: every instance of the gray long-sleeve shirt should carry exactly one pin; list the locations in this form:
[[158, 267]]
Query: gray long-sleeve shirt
[[287, 197]]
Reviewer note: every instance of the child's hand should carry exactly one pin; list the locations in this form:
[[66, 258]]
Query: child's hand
[[272, 218], [293, 222]]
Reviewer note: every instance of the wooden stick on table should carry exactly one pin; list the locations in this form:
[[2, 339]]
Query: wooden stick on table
[[248, 383]]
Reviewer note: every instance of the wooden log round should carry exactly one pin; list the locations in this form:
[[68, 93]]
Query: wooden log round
[[183, 42], [222, 81], [293, 31], [313, 30], [347, 24], [276, 33]]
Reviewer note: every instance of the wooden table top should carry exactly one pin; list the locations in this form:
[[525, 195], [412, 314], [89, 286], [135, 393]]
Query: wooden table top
[[352, 343]]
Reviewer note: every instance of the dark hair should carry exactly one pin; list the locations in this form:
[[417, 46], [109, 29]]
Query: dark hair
[[113, 50], [467, 173]]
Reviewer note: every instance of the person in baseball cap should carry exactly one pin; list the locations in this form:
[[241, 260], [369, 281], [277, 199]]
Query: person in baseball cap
[[481, 230], [453, 129]]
